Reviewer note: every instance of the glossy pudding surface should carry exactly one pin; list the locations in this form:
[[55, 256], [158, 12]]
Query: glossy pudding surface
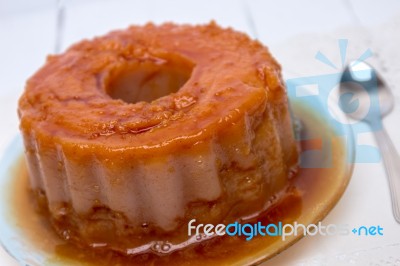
[[131, 135]]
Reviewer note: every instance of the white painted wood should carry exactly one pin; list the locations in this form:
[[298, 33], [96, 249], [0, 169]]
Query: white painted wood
[[89, 19]]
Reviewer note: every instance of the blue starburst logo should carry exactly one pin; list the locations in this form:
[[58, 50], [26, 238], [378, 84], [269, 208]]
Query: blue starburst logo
[[325, 93]]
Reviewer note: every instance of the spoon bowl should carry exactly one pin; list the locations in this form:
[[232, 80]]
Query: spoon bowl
[[361, 80]]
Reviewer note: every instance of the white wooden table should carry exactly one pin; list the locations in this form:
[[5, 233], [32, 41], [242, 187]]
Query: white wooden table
[[294, 30]]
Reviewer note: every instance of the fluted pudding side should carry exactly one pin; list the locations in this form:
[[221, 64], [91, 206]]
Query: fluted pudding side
[[130, 135]]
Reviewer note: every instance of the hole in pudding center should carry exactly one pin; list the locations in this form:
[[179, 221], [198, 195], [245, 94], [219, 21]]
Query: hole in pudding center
[[148, 80]]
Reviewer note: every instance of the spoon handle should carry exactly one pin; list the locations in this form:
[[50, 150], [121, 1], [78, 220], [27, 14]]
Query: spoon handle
[[391, 161]]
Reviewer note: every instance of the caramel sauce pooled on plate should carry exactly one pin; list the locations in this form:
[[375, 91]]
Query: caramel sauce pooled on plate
[[312, 193]]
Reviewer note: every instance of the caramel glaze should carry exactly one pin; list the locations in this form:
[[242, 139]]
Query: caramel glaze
[[130, 135], [69, 96], [308, 198]]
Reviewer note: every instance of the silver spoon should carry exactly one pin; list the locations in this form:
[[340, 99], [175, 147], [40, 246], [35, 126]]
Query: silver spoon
[[361, 80]]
